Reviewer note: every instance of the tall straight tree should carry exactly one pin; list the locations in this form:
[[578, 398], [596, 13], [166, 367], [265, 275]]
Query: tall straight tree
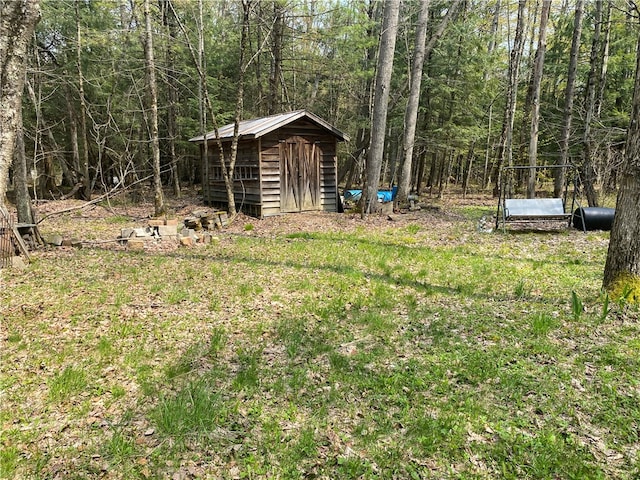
[[568, 98], [203, 96], [169, 21], [380, 104], [505, 152], [17, 22], [85, 193], [623, 258], [275, 71], [588, 171], [411, 112], [604, 60], [152, 117], [20, 181], [538, 66], [230, 164]]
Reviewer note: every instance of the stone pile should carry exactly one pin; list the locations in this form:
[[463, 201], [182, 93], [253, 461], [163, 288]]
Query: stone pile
[[195, 228]]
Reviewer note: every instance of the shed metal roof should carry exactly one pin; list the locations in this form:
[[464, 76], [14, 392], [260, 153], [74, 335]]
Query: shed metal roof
[[257, 127]]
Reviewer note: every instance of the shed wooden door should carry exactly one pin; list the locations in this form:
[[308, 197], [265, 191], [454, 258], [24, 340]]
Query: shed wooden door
[[299, 175]]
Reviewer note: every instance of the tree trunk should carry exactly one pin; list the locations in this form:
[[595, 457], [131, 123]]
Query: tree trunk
[[622, 269], [538, 67], [411, 112], [246, 6], [355, 160], [73, 136], [277, 32], [152, 86], [452, 12], [525, 124], [468, 166], [84, 159], [559, 179], [172, 94], [588, 171], [17, 22], [495, 22], [604, 56], [20, 176], [486, 176], [380, 104], [203, 96], [505, 151], [259, 103], [420, 172]]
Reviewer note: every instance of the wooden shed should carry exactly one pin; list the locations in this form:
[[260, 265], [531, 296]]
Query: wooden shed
[[285, 163]]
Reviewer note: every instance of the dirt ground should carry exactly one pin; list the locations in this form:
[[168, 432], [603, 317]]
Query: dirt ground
[[99, 224]]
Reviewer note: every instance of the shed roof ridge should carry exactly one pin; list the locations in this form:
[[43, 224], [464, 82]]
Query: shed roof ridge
[[257, 127]]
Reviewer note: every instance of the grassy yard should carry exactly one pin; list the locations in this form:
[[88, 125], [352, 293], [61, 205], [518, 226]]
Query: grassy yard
[[421, 349]]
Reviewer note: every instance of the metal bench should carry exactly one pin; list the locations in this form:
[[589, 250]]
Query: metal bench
[[540, 208], [533, 209]]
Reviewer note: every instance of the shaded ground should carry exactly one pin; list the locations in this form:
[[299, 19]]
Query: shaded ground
[[295, 338], [100, 224]]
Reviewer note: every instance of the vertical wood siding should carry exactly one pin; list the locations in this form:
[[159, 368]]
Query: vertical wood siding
[[258, 182]]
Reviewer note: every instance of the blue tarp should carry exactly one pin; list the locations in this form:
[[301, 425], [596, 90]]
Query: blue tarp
[[383, 195]]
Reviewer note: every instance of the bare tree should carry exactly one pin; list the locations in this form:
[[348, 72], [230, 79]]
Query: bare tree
[[20, 180], [84, 159], [275, 71], [604, 60], [227, 162], [242, 70], [380, 104], [17, 22], [505, 154], [411, 112], [152, 86], [538, 67], [169, 21], [588, 169], [568, 98]]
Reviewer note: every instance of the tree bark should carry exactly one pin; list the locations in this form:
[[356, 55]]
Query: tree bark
[[588, 170], [505, 153], [17, 23], [168, 17], [203, 97], [622, 268], [468, 164], [604, 62], [20, 176], [380, 104], [559, 179], [538, 67], [275, 72], [84, 159], [152, 86], [413, 102], [229, 177]]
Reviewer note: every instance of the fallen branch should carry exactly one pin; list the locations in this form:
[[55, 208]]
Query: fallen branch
[[115, 191], [73, 191]]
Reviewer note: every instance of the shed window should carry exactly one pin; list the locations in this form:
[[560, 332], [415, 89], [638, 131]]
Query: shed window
[[243, 172]]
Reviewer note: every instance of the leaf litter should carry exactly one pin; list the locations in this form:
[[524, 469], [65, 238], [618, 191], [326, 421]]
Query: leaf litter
[[95, 310]]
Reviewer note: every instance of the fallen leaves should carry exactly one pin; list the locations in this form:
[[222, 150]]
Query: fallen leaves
[[307, 320]]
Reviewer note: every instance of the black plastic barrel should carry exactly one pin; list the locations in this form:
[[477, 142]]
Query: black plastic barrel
[[593, 218]]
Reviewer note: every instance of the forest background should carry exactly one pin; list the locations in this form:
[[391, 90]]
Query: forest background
[[87, 115]]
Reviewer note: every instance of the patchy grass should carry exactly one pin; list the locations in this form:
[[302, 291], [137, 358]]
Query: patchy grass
[[425, 350]]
